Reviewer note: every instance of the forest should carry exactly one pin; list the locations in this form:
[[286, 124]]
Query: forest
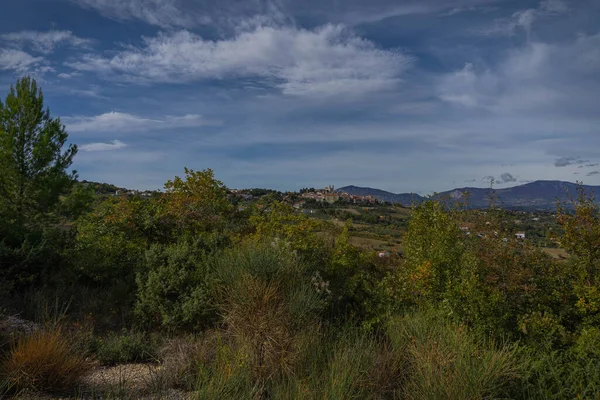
[[216, 301]]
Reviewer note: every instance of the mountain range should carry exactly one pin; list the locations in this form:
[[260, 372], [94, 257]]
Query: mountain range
[[538, 195]]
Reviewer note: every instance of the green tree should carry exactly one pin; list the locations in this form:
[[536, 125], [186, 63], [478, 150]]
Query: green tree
[[197, 203], [581, 239], [32, 159]]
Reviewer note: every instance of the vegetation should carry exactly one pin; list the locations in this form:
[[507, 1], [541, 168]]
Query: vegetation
[[45, 361], [237, 294]]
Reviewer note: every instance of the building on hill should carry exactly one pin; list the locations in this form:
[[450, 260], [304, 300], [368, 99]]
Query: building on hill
[[520, 235]]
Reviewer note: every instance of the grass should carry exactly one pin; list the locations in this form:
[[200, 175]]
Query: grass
[[44, 361], [444, 360], [126, 347], [369, 243], [559, 254]]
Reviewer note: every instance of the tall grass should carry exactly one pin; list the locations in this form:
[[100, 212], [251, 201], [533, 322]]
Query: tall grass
[[444, 360], [44, 361], [266, 301], [573, 373]]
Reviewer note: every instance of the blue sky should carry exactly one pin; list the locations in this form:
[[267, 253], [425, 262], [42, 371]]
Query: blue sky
[[414, 95]]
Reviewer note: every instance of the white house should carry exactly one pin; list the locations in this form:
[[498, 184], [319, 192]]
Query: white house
[[520, 235]]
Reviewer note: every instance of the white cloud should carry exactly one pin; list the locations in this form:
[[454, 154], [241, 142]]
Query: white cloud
[[18, 60], [469, 87], [44, 42], [328, 60], [70, 75], [113, 145], [122, 122], [524, 19], [537, 76], [163, 13]]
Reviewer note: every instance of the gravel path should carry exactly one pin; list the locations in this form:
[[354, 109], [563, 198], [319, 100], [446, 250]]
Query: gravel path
[[126, 381]]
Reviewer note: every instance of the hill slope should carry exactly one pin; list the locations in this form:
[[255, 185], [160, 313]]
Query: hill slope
[[406, 199], [539, 195]]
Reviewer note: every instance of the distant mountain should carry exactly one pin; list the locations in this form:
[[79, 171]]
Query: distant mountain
[[405, 199], [539, 195]]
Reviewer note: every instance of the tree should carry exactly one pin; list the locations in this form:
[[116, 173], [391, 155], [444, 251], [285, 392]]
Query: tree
[[32, 159], [197, 203]]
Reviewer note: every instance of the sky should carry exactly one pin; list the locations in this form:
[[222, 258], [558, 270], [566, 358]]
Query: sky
[[401, 95]]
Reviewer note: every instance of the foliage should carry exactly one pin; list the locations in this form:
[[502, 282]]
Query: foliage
[[32, 160], [560, 374], [197, 203], [353, 282], [275, 219], [487, 278], [445, 361], [279, 301], [77, 202], [44, 360], [581, 238], [182, 360], [433, 249], [126, 347], [33, 166], [173, 291]]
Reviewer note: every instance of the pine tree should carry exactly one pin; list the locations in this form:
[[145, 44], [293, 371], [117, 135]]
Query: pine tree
[[33, 160]]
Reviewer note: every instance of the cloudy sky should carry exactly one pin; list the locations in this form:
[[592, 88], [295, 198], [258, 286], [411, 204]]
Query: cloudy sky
[[402, 95]]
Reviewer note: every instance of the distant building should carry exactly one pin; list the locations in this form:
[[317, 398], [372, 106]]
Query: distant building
[[520, 235]]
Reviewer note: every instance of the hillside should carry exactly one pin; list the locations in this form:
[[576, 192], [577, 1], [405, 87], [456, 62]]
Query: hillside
[[405, 199], [538, 195]]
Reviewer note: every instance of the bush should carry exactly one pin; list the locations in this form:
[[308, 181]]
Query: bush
[[173, 294], [44, 361], [444, 360], [182, 360], [563, 374], [126, 347]]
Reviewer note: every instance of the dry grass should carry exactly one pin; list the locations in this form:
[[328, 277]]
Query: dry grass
[[368, 243], [446, 361], [183, 358], [260, 319], [558, 254], [44, 361]]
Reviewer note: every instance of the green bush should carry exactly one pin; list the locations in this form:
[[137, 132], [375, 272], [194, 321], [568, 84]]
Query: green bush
[[126, 347], [173, 293], [573, 373]]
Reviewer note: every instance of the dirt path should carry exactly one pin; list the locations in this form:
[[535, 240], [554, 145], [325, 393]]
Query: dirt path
[[126, 381]]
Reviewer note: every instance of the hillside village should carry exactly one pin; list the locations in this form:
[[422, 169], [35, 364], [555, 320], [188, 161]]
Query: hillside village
[[366, 212]]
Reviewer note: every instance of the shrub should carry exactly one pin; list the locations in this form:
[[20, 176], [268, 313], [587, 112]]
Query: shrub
[[257, 282], [347, 373], [444, 360], [173, 294], [182, 360], [573, 373], [267, 302], [44, 361], [126, 347]]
